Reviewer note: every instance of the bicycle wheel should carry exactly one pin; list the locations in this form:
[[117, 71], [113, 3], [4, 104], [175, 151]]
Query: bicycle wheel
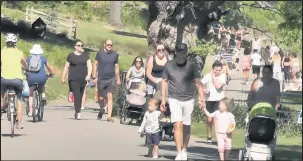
[[12, 118], [36, 103], [40, 109]]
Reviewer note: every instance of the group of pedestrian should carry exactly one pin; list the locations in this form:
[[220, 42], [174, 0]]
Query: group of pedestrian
[[104, 72], [18, 71]]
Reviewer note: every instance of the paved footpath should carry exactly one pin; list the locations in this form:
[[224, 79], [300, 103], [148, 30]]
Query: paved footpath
[[61, 137]]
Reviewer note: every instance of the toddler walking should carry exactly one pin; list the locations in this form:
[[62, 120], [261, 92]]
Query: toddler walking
[[150, 125], [225, 125]]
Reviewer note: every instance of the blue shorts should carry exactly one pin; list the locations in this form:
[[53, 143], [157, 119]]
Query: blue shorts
[[153, 139], [16, 84]]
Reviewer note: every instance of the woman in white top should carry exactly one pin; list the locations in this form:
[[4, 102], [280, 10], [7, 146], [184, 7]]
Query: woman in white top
[[276, 62], [256, 63]]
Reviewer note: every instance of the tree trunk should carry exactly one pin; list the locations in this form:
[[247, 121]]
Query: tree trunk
[[166, 24], [115, 13]]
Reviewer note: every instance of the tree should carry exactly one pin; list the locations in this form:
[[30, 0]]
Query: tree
[[115, 13]]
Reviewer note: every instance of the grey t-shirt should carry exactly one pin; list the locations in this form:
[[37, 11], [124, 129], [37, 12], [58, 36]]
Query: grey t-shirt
[[181, 79], [107, 61]]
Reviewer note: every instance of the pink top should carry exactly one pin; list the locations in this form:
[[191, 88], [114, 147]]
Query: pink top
[[223, 120]]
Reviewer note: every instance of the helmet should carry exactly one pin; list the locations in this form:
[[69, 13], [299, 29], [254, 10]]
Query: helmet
[[10, 37]]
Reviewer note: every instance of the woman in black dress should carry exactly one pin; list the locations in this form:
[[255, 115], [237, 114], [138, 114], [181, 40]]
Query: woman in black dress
[[79, 67]]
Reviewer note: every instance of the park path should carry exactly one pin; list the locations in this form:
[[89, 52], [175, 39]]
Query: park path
[[60, 137]]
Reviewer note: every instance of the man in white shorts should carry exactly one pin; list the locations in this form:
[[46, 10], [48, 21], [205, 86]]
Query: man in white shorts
[[182, 78]]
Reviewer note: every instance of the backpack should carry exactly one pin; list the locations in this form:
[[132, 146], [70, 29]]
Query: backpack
[[35, 63]]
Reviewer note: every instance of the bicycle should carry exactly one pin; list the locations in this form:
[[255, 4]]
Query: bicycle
[[10, 98], [38, 104]]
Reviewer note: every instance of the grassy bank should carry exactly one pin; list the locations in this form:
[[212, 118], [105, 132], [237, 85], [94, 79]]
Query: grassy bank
[[287, 148]]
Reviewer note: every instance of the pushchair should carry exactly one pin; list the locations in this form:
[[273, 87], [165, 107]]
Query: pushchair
[[133, 106], [166, 126], [260, 133]]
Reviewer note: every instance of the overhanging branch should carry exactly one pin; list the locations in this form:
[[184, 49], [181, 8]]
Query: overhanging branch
[[262, 5]]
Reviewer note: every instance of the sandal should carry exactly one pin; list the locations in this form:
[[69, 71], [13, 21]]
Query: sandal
[[110, 119]]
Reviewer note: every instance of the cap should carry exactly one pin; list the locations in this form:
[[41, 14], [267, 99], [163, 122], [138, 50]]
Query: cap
[[181, 46]]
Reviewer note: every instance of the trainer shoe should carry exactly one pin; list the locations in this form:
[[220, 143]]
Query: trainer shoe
[[79, 116], [155, 156], [209, 141], [184, 154], [100, 115], [179, 156]]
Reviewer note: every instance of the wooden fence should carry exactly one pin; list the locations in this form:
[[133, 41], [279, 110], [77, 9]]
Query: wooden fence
[[54, 22]]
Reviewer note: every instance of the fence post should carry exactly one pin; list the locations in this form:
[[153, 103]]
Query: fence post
[[74, 28], [31, 14], [26, 14]]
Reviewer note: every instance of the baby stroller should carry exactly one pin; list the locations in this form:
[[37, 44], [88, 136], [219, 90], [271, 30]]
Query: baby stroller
[[166, 126], [133, 106], [260, 133]]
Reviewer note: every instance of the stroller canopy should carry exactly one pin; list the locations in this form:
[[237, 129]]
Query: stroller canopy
[[264, 109]]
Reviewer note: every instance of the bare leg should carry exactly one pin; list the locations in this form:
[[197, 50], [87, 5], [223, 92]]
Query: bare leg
[[209, 127], [109, 104], [226, 153], [19, 113], [178, 135], [30, 102], [186, 136], [156, 150], [221, 155], [83, 98]]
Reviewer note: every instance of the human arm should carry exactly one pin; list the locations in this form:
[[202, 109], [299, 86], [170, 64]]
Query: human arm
[[143, 123], [89, 69], [95, 67], [23, 61], [149, 68], [218, 82], [251, 94], [232, 127], [117, 70], [66, 68], [128, 74], [164, 86], [210, 115], [197, 77], [49, 68]]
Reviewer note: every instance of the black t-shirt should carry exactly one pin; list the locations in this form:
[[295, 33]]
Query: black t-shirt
[[78, 66], [181, 79], [107, 61]]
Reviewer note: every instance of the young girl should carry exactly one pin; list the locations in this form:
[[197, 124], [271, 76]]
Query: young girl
[[150, 125], [225, 125]]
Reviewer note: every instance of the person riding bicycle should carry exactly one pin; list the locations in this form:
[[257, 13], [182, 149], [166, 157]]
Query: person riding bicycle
[[37, 74], [12, 60]]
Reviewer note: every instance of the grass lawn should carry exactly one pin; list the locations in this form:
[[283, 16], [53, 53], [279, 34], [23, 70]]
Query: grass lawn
[[287, 148]]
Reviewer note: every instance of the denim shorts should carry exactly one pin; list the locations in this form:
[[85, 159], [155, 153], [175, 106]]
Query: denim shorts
[[16, 84], [153, 138]]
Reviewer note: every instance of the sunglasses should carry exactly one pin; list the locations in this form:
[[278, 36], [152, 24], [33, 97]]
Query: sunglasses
[[160, 50], [79, 45], [138, 61], [109, 44]]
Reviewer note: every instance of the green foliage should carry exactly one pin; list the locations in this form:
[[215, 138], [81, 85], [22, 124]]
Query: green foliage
[[203, 48], [291, 12]]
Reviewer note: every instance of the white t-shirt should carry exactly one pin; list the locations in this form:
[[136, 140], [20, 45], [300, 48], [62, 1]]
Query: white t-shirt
[[274, 49], [214, 94], [150, 122], [256, 44], [256, 59]]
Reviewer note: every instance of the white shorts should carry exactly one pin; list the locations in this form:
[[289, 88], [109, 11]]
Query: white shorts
[[181, 110]]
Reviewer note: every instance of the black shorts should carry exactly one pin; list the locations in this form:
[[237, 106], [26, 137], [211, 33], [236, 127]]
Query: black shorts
[[256, 69], [153, 139], [230, 65], [106, 86], [212, 106]]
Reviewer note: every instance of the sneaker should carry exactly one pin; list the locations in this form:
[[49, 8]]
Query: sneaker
[[209, 141], [79, 116], [44, 101], [82, 108], [179, 156], [100, 115], [155, 156], [30, 114], [184, 154]]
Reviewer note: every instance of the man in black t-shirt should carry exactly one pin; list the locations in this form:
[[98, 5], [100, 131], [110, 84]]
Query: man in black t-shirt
[[182, 78], [106, 62]]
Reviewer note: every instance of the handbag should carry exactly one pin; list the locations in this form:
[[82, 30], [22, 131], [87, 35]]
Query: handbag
[[25, 91]]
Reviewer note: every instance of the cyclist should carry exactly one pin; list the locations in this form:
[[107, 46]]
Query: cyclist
[[37, 74], [12, 59]]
